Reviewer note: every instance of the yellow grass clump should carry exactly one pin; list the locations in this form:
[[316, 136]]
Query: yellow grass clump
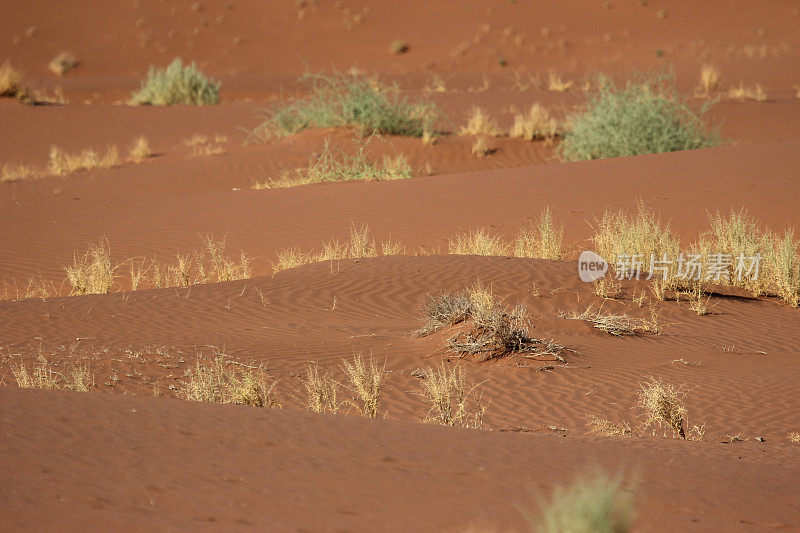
[[18, 172], [321, 390], [10, 80], [480, 148], [221, 380], [662, 405], [556, 84], [62, 63], [452, 399], [366, 382], [359, 245], [757, 93], [92, 272], [140, 150], [536, 124], [45, 376], [63, 163], [606, 428], [709, 78], [480, 123], [477, 242], [542, 240]]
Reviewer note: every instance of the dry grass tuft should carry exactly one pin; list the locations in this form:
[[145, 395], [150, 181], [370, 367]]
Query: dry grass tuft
[[92, 272], [556, 84], [480, 123], [366, 382], [480, 148], [219, 381], [709, 78], [63, 163], [598, 504], [398, 47], [663, 406], [606, 428], [44, 376], [10, 81], [321, 390], [18, 172], [477, 242], [757, 93], [453, 400], [542, 241], [358, 246], [794, 437], [140, 150], [443, 310], [617, 325], [535, 125], [62, 63]]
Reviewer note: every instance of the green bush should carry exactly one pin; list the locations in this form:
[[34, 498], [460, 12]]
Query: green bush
[[176, 85], [344, 100], [597, 504], [641, 118]]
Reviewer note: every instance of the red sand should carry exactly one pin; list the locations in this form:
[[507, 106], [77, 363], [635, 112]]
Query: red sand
[[119, 458]]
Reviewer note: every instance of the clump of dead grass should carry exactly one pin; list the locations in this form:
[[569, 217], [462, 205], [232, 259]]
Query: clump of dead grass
[[45, 376], [398, 47], [542, 240], [619, 325], [222, 380], [92, 272], [327, 167], [480, 123], [359, 245], [556, 84], [606, 428], [537, 124], [453, 400], [321, 390], [63, 163], [709, 78], [10, 81], [140, 150], [62, 63], [741, 93], [477, 242], [597, 504], [662, 405], [480, 148], [366, 382]]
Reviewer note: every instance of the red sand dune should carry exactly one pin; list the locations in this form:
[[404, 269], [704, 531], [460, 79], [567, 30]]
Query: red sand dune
[[120, 458]]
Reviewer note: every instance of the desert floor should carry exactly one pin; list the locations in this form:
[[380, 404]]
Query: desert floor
[[133, 455]]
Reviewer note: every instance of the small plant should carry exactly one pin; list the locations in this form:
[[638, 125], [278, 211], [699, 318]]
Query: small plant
[[542, 241], [216, 382], [617, 325], [321, 390], [63, 163], [556, 84], [794, 437], [598, 504], [398, 47], [453, 400], [480, 148], [477, 242], [10, 81], [637, 119], [62, 63], [18, 172], [443, 310], [606, 428], [480, 123], [140, 150], [348, 101], [366, 380], [326, 167], [92, 272], [359, 245], [177, 84], [709, 78], [537, 124], [757, 93], [662, 405]]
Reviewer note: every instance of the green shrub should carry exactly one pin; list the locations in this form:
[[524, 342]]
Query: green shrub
[[641, 118], [594, 505], [177, 84], [348, 100]]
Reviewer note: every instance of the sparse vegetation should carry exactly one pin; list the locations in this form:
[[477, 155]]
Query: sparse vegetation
[[140, 150], [606, 428], [45, 376], [398, 47], [63, 163], [222, 380], [662, 405], [62, 63], [177, 84], [542, 241], [757, 93], [359, 245], [709, 78], [480, 123], [480, 148], [535, 125], [91, 272], [598, 504], [348, 101], [453, 400], [641, 118], [10, 81], [321, 390], [617, 325], [556, 84], [366, 382], [327, 167], [477, 242]]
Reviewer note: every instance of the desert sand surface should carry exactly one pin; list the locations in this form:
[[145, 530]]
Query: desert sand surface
[[129, 450]]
